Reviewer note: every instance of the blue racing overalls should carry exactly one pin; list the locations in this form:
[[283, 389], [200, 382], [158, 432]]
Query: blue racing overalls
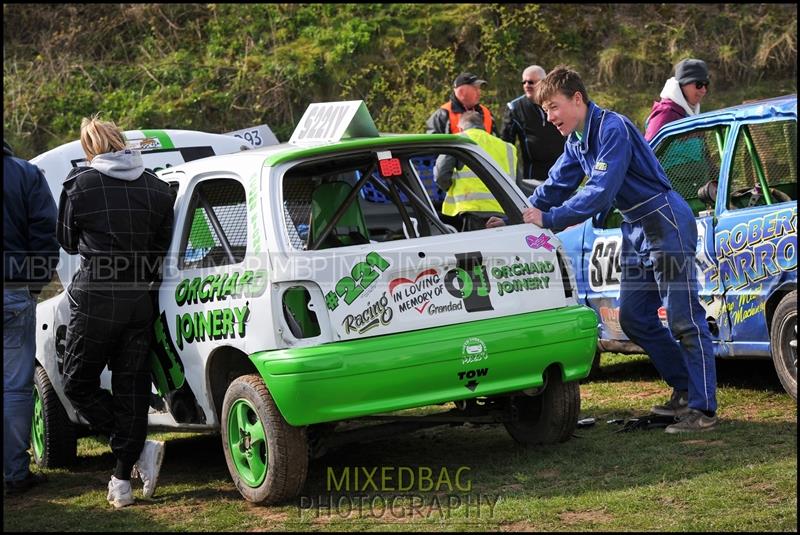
[[659, 237]]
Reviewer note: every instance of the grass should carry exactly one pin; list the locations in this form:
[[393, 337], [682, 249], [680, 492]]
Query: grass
[[741, 477]]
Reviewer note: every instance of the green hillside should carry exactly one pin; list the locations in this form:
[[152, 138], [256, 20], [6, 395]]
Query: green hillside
[[221, 67]]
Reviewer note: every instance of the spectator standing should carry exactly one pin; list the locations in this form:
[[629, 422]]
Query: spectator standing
[[540, 144], [30, 256], [118, 216], [659, 238], [680, 97], [466, 96]]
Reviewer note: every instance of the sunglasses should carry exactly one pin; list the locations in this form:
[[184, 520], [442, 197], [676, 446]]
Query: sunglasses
[[530, 82], [700, 85]]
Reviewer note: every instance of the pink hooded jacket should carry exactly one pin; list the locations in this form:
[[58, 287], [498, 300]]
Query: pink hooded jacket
[[663, 112]]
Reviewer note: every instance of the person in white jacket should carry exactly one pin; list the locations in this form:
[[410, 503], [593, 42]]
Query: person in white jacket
[[680, 97]]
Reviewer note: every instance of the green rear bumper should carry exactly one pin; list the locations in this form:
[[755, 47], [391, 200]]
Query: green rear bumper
[[342, 380]]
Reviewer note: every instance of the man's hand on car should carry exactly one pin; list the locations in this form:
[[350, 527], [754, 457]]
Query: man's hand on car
[[532, 215], [494, 222]]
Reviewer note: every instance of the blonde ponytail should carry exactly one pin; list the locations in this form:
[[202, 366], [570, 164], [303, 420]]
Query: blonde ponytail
[[100, 137]]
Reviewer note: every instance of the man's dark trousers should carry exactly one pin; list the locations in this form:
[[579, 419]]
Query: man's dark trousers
[[111, 324], [659, 240]]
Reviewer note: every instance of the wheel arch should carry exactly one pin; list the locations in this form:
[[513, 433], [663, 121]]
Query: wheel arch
[[224, 365], [775, 298], [554, 368]]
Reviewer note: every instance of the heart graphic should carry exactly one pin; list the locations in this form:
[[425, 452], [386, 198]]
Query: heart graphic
[[402, 280]]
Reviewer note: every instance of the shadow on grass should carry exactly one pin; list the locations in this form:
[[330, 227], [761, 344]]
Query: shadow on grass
[[42, 508], [598, 459], [756, 374], [201, 452], [200, 456], [193, 470]]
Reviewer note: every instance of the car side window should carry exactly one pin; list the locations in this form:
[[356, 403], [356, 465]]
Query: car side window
[[764, 169], [691, 160], [215, 232]]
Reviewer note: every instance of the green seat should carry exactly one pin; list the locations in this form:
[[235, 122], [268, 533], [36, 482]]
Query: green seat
[[351, 228]]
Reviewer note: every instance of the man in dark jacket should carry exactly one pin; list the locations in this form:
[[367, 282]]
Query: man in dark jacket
[[118, 216], [539, 142], [465, 97], [30, 256]]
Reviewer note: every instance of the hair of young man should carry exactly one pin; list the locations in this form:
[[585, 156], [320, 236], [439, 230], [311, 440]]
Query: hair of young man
[[100, 137], [561, 79], [470, 119]]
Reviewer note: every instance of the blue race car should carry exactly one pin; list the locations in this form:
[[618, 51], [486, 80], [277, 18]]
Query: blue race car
[[737, 168]]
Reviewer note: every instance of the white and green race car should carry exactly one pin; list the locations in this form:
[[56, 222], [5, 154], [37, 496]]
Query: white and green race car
[[291, 302]]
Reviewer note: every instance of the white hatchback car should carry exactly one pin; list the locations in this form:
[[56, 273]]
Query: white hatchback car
[[291, 302]]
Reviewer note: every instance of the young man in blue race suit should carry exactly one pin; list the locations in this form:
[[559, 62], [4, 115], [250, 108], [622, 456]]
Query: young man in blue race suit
[[659, 237]]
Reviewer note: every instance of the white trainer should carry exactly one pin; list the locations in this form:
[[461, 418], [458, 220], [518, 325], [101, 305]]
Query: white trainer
[[119, 493], [149, 465]]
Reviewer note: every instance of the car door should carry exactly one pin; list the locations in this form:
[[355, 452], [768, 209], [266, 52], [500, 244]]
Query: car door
[[756, 228], [601, 254], [692, 158]]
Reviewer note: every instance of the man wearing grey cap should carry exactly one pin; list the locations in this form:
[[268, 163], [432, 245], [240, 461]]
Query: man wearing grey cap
[[465, 97], [680, 97]]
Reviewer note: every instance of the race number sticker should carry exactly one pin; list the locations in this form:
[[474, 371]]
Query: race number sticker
[[604, 268], [330, 121], [257, 136]]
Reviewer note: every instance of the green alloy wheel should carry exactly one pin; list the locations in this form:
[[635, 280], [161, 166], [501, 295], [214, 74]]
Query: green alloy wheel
[[267, 458], [53, 436], [247, 442], [37, 427]]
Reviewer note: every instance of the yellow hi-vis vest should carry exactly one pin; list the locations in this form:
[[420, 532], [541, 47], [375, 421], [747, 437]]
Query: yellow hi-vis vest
[[467, 192]]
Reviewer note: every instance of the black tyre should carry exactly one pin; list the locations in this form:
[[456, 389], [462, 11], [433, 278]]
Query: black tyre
[[267, 457], [550, 417], [54, 438], [783, 342]]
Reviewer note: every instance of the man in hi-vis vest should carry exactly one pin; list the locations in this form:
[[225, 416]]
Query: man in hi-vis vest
[[467, 195]]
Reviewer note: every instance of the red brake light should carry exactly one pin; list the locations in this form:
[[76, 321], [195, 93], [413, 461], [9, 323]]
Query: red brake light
[[390, 167]]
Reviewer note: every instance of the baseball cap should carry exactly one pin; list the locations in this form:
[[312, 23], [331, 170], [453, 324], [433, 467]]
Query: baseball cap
[[691, 70], [467, 78]]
